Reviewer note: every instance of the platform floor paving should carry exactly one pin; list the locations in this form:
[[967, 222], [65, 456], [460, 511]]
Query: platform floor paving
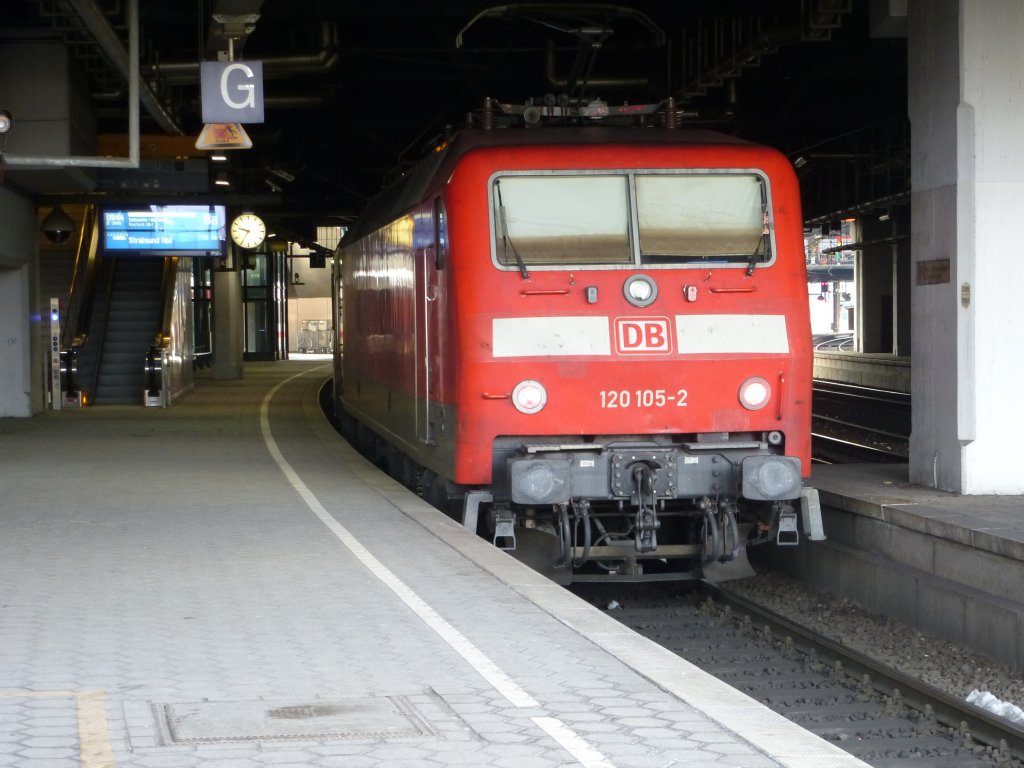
[[985, 522], [226, 583], [948, 564]]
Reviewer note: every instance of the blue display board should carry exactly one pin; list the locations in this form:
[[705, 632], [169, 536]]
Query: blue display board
[[165, 230]]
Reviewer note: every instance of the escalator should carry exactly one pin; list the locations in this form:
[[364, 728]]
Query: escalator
[[124, 319], [126, 316]]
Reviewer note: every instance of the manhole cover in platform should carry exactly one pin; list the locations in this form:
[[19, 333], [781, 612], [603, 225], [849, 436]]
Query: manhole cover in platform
[[370, 718]]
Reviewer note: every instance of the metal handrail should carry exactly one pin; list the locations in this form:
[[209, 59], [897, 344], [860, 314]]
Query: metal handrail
[[166, 313], [82, 290]]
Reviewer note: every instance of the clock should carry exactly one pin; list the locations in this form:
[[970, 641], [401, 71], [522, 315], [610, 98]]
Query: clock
[[248, 230]]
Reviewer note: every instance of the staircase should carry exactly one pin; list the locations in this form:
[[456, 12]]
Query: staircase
[[132, 320]]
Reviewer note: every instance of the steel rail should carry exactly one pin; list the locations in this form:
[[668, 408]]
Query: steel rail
[[851, 446], [984, 727], [858, 392]]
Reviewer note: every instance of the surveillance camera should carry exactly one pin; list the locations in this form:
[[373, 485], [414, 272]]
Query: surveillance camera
[[57, 226]]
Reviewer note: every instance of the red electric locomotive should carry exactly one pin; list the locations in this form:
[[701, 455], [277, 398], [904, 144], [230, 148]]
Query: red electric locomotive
[[590, 344]]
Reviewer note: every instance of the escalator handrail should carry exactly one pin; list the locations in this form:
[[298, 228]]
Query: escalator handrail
[[82, 291], [167, 286]]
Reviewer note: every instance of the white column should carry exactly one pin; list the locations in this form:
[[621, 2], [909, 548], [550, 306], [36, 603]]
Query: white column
[[228, 328], [21, 369], [966, 90], [15, 347]]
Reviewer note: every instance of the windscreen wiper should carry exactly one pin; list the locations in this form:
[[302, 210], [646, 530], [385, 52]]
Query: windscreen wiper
[[761, 241], [506, 241]]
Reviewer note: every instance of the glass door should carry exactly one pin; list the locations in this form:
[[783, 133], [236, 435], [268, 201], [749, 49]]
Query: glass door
[[264, 299], [202, 311]]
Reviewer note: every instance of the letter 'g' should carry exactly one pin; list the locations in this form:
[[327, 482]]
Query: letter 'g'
[[249, 101]]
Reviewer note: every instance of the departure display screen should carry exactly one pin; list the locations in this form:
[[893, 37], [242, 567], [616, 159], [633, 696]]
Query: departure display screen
[[165, 230]]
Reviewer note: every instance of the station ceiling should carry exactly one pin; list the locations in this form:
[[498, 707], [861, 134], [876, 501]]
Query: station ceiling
[[357, 90]]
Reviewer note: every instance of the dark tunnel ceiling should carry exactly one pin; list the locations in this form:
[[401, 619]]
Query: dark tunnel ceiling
[[356, 90]]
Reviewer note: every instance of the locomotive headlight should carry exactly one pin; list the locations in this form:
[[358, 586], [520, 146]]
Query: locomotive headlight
[[640, 290], [529, 396], [755, 393], [771, 477]]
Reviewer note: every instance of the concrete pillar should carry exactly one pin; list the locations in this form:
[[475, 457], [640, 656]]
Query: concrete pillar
[[21, 366], [876, 289], [15, 343], [966, 108], [228, 328]]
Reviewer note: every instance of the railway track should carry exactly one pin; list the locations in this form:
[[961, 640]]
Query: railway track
[[859, 424], [850, 444], [883, 717]]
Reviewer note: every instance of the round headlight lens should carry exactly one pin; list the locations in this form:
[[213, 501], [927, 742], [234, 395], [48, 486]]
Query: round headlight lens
[[529, 396], [755, 393]]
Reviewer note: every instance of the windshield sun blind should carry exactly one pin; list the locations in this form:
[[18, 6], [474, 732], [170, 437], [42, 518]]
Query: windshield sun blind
[[625, 219]]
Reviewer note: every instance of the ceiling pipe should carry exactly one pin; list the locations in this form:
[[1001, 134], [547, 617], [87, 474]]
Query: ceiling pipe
[[132, 74], [324, 60]]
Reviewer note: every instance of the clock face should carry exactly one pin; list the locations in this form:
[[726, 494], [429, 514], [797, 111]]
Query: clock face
[[248, 230]]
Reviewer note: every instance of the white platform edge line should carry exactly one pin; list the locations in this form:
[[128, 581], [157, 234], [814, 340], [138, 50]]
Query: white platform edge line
[[587, 756], [791, 745]]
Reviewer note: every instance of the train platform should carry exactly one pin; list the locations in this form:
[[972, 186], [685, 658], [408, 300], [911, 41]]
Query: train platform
[[944, 562], [227, 583]]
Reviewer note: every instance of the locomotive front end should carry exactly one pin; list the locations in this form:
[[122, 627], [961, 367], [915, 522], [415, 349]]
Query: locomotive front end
[[643, 379]]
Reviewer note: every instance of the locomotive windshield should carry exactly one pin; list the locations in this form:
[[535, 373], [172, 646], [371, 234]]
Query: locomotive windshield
[[563, 219], [631, 218]]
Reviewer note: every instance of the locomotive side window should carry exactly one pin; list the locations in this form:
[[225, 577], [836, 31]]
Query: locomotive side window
[[571, 220], [703, 218]]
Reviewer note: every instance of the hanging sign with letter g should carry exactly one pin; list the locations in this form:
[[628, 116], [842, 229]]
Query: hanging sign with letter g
[[232, 91]]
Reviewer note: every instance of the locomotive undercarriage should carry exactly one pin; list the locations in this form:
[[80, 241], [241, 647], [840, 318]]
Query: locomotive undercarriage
[[681, 507], [674, 540], [623, 508]]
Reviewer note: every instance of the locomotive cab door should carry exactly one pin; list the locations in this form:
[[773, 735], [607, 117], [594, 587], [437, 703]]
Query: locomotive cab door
[[429, 262]]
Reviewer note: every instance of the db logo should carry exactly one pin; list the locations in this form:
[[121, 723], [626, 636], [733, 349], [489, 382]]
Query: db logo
[[642, 335]]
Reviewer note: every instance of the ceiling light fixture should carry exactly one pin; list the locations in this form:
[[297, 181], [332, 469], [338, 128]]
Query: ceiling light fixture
[[6, 120]]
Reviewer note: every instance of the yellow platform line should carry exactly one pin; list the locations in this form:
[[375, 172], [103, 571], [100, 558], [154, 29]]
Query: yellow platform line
[[94, 750], [94, 731]]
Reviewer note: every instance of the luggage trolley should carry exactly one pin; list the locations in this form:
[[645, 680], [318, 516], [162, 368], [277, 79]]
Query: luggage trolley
[[315, 336]]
